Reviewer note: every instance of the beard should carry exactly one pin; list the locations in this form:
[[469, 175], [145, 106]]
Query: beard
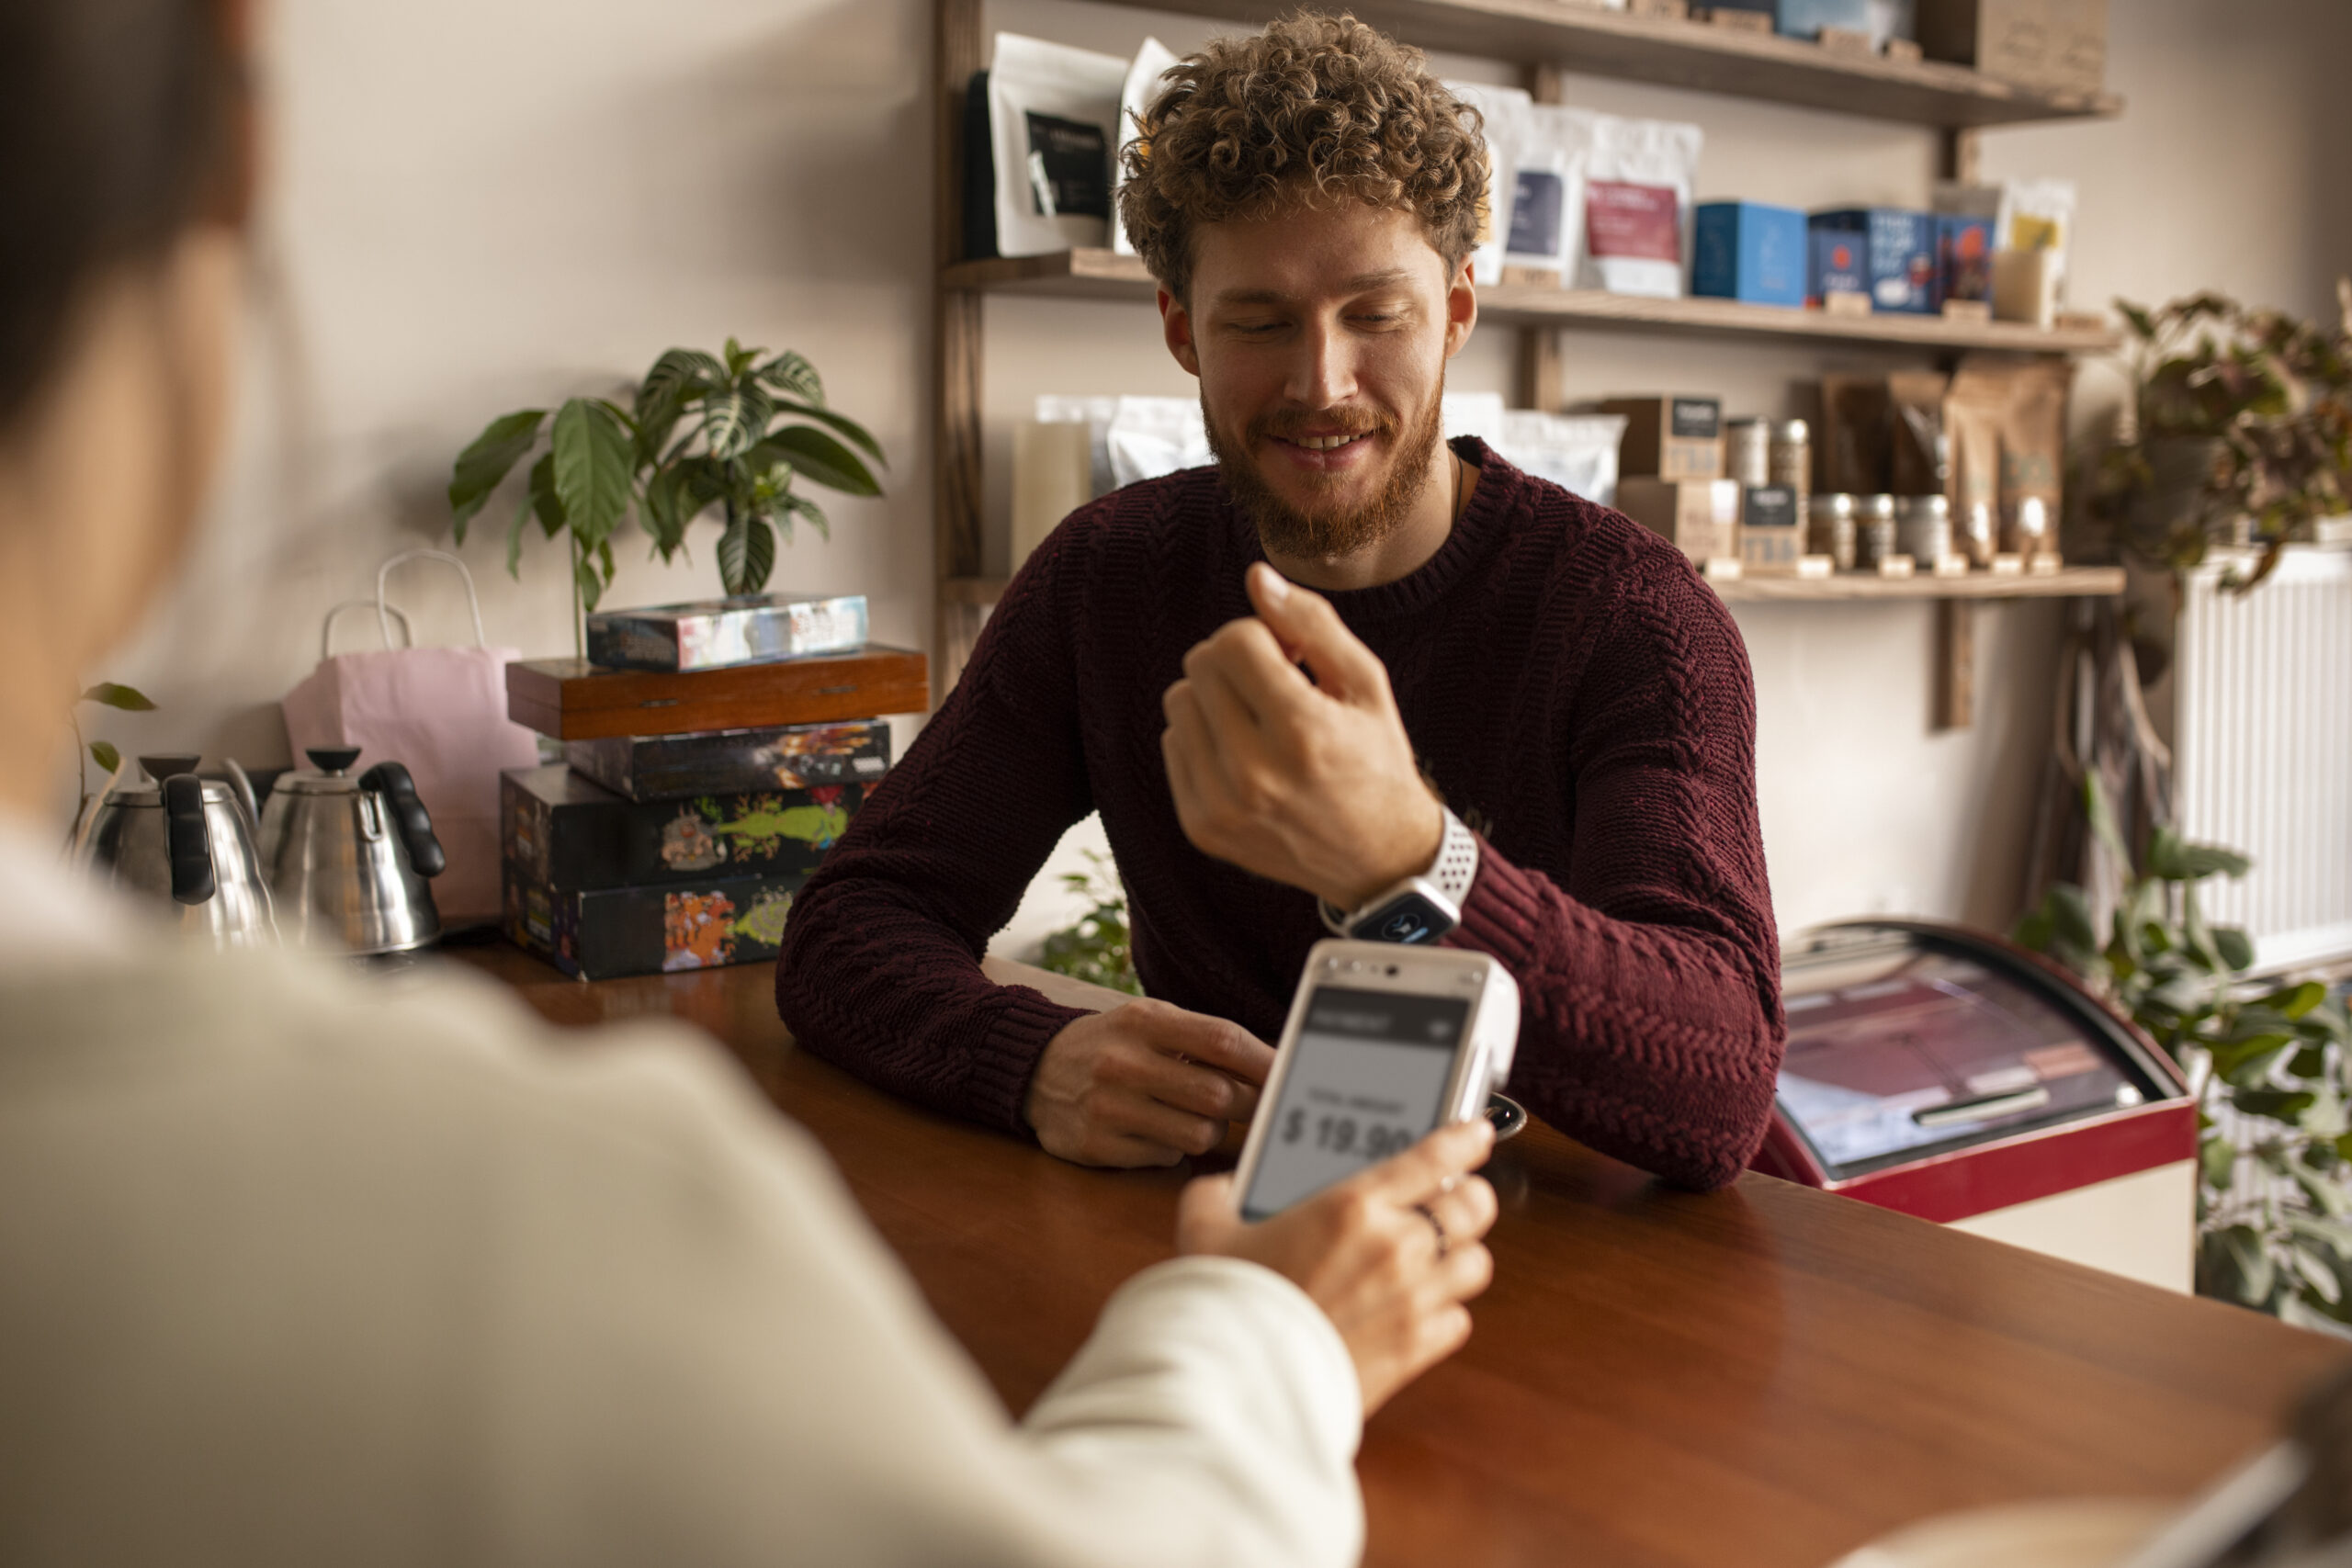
[[1331, 530]]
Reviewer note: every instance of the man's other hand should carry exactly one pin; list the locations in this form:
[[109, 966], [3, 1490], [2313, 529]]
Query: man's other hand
[[1309, 783], [1368, 1251], [1146, 1084]]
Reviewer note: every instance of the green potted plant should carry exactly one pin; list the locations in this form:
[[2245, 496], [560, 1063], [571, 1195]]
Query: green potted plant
[[2238, 418], [1096, 947], [730, 435], [2266, 1061]]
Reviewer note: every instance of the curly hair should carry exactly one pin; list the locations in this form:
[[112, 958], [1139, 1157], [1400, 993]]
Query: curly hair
[[1312, 111]]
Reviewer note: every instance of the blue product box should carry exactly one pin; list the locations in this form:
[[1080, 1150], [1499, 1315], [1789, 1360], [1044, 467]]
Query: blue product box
[[1898, 255], [1963, 258], [1806, 19], [1745, 250]]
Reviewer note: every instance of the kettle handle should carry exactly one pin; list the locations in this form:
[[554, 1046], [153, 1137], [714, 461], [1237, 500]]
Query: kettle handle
[[408, 814], [186, 841]]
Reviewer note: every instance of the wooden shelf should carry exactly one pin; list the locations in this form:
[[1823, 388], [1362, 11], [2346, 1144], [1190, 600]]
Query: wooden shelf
[[1675, 54], [2070, 582], [2073, 582], [1101, 275]]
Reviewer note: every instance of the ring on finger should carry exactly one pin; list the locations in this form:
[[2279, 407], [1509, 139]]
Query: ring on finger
[[1436, 1224]]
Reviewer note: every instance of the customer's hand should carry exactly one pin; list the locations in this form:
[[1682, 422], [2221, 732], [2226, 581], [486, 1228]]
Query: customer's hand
[[1309, 783], [1144, 1083], [1370, 1256]]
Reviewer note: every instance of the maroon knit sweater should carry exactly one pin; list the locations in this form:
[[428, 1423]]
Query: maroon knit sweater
[[1576, 693]]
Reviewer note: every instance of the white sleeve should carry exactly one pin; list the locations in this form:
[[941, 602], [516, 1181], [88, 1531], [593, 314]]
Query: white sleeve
[[1216, 1400], [744, 1374]]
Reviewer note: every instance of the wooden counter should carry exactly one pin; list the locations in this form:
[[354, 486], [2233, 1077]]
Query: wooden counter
[[1761, 1377]]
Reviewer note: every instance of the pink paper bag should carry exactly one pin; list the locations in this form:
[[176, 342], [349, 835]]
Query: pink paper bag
[[439, 712]]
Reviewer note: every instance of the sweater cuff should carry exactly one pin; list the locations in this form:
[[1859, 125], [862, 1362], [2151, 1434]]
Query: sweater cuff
[[1022, 1023], [1503, 913]]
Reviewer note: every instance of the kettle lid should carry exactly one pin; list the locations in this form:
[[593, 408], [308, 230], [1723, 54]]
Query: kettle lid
[[158, 766], [329, 773]]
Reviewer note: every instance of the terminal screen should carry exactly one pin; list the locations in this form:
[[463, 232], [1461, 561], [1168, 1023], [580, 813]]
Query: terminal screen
[[1367, 1080]]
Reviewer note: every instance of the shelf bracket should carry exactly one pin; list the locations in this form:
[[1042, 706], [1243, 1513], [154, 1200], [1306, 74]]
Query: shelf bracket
[[1955, 663]]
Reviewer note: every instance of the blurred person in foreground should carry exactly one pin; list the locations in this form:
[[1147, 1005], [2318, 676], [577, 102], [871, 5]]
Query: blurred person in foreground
[[1347, 662], [294, 1268]]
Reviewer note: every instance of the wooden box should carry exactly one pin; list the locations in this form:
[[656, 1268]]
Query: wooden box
[[572, 699], [1699, 517], [2057, 46], [1670, 438]]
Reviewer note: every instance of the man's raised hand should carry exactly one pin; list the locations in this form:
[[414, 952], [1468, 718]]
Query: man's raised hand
[[1309, 783], [1144, 1083]]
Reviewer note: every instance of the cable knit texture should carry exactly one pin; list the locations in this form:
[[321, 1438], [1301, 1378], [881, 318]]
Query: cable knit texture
[[1576, 694]]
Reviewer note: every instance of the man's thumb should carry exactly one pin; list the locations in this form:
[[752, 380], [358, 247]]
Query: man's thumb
[[1311, 632]]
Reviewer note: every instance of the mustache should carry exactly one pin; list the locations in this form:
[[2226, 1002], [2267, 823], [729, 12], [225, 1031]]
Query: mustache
[[1289, 424]]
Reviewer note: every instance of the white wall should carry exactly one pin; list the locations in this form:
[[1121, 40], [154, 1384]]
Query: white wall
[[483, 204]]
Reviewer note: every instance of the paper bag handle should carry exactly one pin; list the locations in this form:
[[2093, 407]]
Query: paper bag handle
[[326, 629], [384, 611]]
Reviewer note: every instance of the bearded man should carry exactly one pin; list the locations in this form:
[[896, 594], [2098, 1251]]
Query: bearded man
[[1349, 678]]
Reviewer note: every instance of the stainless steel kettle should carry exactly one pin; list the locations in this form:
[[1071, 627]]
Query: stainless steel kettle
[[348, 858], [188, 839]]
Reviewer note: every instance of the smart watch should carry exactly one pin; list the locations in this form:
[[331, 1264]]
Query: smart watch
[[1420, 908]]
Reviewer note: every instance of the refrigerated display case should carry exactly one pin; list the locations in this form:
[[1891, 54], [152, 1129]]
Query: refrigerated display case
[[1951, 1074]]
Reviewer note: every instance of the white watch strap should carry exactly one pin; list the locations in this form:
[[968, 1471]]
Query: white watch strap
[[1452, 874], [1457, 861]]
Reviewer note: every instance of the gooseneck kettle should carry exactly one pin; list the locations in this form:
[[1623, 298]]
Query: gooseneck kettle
[[347, 859], [185, 839]]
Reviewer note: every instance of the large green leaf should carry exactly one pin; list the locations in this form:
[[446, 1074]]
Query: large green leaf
[[546, 504], [676, 377], [2218, 1162], [2247, 1063], [2274, 1104], [514, 540], [483, 464], [2317, 1272], [2293, 1001], [2175, 861], [593, 463], [856, 433], [2234, 1265], [814, 515], [115, 694], [824, 460], [2235, 947], [670, 506], [103, 753], [746, 554], [734, 420], [792, 375]]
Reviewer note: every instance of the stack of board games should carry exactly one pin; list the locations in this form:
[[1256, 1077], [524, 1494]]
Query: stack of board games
[[690, 805]]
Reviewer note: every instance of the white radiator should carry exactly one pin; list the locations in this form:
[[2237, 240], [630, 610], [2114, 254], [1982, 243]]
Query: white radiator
[[2263, 750]]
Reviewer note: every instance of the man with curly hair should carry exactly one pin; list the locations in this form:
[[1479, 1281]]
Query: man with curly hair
[[1349, 678]]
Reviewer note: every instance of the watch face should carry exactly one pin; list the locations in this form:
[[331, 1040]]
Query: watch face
[[1407, 919]]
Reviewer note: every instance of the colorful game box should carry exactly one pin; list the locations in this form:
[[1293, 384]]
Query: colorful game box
[[730, 761], [605, 934], [568, 832]]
